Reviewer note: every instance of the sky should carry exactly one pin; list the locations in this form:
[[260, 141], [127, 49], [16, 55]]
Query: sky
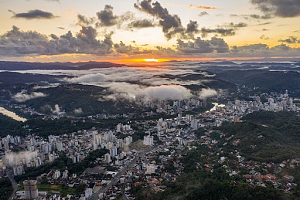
[[135, 30]]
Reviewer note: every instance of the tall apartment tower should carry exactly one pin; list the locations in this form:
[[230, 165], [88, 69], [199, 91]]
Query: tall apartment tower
[[31, 190]]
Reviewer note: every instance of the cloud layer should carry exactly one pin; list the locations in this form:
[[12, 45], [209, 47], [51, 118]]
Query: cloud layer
[[23, 96]]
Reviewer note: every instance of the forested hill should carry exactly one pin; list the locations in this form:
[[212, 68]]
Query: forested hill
[[267, 136]]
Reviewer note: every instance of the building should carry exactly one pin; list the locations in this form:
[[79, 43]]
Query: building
[[107, 158], [56, 174], [113, 151], [150, 169], [31, 190], [194, 124], [148, 140]]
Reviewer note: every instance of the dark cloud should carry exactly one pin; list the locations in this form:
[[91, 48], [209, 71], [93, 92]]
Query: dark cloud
[[253, 16], [126, 49], [34, 14], [279, 8], [197, 46], [107, 17], [219, 31], [224, 30], [238, 25], [250, 49], [264, 37], [143, 23], [290, 40], [17, 43], [192, 29], [281, 48], [171, 24], [204, 13], [85, 20]]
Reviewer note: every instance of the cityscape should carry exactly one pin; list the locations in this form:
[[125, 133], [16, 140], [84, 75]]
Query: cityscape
[[149, 99]]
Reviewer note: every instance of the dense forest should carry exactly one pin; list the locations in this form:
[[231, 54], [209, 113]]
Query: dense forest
[[267, 136], [6, 188]]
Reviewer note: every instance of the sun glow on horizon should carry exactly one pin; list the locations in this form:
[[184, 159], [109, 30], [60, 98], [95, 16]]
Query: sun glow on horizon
[[145, 60], [151, 60]]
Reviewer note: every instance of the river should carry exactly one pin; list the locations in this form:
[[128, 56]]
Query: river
[[12, 115]]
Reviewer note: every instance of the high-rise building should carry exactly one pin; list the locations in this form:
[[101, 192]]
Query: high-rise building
[[113, 151], [31, 190], [148, 140]]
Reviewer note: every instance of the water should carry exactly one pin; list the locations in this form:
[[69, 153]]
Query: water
[[12, 115]]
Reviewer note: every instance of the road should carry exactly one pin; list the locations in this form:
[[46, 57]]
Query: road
[[117, 177], [14, 184]]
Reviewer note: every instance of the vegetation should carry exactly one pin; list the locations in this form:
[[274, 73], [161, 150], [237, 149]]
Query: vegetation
[[6, 188], [267, 136], [210, 186], [264, 80]]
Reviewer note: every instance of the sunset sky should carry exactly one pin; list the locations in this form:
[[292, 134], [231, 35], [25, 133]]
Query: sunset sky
[[128, 30]]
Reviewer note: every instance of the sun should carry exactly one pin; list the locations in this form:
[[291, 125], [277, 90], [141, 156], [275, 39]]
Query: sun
[[151, 60]]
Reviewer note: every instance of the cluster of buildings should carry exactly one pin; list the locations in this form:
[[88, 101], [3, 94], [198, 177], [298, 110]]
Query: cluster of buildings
[[158, 160]]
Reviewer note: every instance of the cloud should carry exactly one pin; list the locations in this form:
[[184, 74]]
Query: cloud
[[220, 31], [132, 92], [34, 14], [166, 92], [206, 93], [204, 13], [265, 23], [88, 78], [197, 46], [251, 48], [23, 96], [84, 20], [17, 43], [224, 30], [201, 7], [11, 159], [238, 25], [171, 24], [139, 24], [290, 40], [290, 8], [264, 37], [192, 28], [253, 16], [128, 49], [107, 18]]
